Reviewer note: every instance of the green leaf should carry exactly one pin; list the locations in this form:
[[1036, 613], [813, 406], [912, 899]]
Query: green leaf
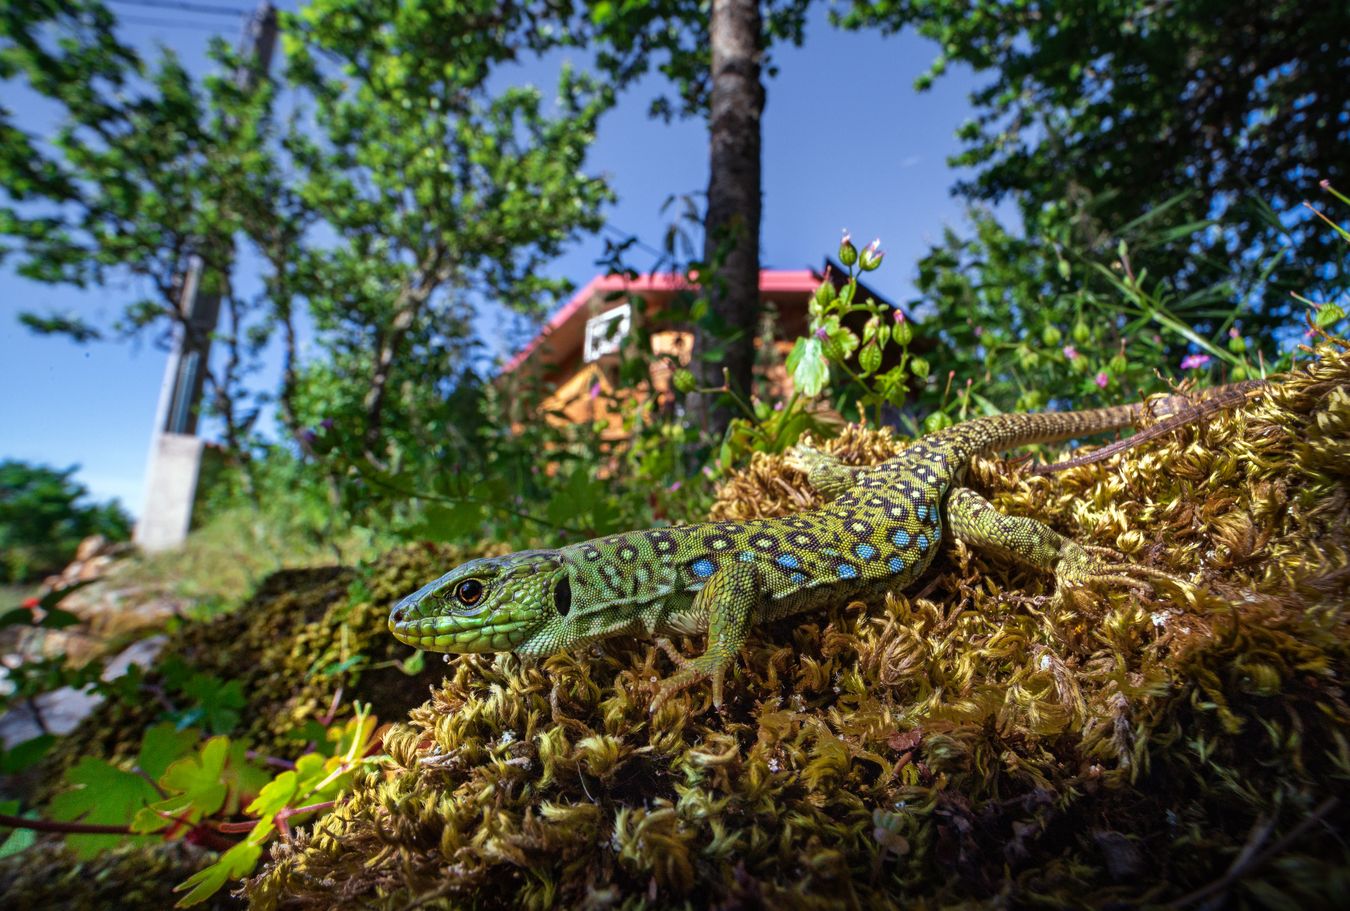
[[58, 619], [236, 863], [23, 755], [415, 664], [53, 618], [936, 421], [869, 358], [275, 795], [196, 782], [311, 769], [806, 364], [338, 667], [1328, 314], [163, 744], [102, 795], [217, 702], [19, 839]]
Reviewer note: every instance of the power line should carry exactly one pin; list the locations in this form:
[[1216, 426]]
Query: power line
[[166, 23], [204, 8], [637, 241]]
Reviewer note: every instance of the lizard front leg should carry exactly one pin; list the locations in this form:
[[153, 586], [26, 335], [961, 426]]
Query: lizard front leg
[[974, 520], [727, 601]]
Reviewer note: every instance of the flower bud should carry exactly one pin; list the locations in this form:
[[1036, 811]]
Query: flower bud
[[683, 381], [848, 254]]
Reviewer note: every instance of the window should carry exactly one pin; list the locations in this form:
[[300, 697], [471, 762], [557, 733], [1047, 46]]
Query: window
[[606, 332]]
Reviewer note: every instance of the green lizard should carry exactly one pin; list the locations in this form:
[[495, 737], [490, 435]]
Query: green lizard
[[880, 531]]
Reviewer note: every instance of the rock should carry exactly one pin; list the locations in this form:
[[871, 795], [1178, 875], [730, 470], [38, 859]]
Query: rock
[[63, 709]]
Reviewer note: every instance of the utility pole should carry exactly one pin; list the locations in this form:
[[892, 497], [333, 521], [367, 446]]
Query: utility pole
[[175, 449]]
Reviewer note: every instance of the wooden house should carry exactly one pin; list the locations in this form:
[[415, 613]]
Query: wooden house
[[577, 353]]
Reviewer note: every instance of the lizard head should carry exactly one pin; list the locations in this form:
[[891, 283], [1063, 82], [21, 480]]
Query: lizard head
[[493, 604]]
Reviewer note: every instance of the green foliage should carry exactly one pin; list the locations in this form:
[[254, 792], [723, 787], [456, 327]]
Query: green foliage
[[100, 794], [1024, 322], [42, 519], [849, 339], [441, 192], [671, 36], [183, 787], [404, 194], [1103, 111], [18, 839]]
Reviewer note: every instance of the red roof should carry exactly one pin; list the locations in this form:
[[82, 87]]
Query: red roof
[[567, 326]]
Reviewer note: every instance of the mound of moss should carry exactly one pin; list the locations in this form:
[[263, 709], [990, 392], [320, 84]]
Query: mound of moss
[[970, 743], [46, 876], [282, 645], [292, 647]]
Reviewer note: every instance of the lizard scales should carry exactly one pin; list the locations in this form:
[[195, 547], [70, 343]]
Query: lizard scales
[[880, 531]]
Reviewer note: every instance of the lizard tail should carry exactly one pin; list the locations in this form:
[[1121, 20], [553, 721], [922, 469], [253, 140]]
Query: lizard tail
[[1008, 431], [1173, 411]]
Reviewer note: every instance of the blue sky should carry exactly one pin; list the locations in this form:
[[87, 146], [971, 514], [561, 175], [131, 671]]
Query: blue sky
[[847, 143]]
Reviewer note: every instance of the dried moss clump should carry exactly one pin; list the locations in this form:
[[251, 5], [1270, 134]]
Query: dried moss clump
[[972, 744]]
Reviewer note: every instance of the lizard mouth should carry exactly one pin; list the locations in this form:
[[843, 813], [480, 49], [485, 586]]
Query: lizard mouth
[[459, 635]]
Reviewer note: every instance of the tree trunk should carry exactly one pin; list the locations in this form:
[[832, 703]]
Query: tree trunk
[[725, 339]]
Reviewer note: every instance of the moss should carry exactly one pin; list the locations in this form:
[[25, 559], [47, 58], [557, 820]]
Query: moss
[[971, 743], [278, 644], [47, 876]]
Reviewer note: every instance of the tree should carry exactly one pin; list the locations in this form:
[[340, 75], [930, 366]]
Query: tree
[[731, 229], [404, 193], [146, 171], [714, 55], [42, 520], [1104, 110], [441, 193]]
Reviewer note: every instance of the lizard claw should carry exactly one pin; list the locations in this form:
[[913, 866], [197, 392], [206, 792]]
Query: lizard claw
[[1083, 565], [672, 652], [691, 671]]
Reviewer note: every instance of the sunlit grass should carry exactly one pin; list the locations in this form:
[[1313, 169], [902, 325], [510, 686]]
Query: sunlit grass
[[222, 562]]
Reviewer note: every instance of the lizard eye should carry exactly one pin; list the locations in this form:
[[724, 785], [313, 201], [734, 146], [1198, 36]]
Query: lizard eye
[[469, 592]]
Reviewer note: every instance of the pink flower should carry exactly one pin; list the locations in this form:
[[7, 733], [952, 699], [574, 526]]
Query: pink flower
[[1324, 183], [777, 406], [1070, 352], [595, 390], [822, 334], [674, 487], [1193, 361], [898, 315], [1102, 380], [871, 256], [979, 331], [1233, 332]]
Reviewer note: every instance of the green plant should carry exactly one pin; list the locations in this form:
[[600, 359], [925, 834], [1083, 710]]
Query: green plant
[[205, 790], [44, 516]]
